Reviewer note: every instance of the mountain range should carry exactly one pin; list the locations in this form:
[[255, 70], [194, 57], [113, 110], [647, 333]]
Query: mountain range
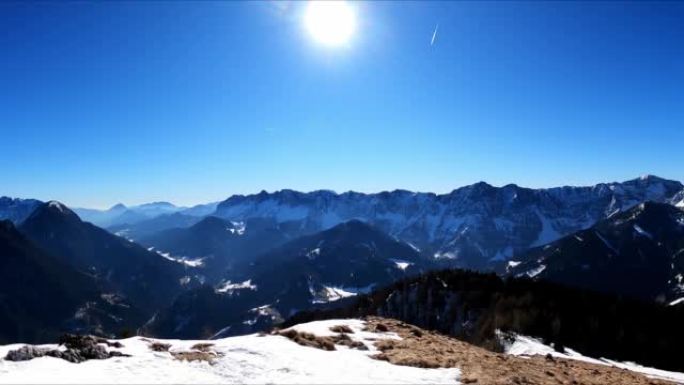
[[471, 227], [249, 262], [120, 214]]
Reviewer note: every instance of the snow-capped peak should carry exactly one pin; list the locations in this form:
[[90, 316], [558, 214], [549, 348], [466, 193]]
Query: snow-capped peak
[[57, 205]]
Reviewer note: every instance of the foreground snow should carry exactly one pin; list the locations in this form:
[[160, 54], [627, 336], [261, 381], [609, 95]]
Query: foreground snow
[[246, 359], [528, 346]]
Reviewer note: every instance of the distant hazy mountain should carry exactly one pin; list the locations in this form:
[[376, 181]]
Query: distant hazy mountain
[[101, 218], [473, 226], [16, 210], [135, 219], [42, 297], [341, 262], [201, 210], [148, 227], [638, 253], [120, 214], [147, 279]]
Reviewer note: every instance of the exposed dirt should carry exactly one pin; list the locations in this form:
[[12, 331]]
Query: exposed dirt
[[427, 349]]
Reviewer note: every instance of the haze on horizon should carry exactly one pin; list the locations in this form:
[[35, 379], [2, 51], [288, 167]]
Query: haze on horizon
[[193, 102]]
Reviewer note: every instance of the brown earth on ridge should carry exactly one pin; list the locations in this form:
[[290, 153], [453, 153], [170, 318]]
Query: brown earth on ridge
[[428, 349]]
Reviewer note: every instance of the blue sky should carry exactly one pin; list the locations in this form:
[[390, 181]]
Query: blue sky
[[192, 102]]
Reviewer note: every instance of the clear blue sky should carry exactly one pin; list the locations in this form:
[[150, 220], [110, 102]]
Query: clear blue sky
[[192, 102]]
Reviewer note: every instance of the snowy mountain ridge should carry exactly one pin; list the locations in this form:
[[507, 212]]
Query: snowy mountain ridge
[[472, 226]]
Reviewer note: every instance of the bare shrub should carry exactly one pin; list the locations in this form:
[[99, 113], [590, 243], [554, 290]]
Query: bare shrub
[[308, 339], [380, 327], [341, 329], [194, 356]]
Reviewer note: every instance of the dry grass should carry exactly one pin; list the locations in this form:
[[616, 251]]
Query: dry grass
[[202, 346], [425, 349], [380, 327], [159, 347], [194, 355], [324, 343], [341, 329], [308, 339]]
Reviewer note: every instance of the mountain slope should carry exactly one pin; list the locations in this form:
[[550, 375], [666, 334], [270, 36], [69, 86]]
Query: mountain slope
[[639, 253], [145, 278], [17, 210], [341, 262], [41, 297], [221, 245], [473, 226]]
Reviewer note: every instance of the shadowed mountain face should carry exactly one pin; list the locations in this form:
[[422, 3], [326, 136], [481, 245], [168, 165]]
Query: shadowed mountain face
[[474, 226], [222, 245], [41, 297], [639, 253], [145, 278], [315, 270]]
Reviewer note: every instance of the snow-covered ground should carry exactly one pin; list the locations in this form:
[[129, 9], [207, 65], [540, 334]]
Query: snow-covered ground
[[245, 359], [528, 346]]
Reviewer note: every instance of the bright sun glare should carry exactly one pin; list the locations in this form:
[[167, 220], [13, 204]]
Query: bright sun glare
[[330, 23]]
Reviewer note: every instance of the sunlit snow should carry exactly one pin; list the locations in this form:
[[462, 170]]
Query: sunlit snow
[[246, 359]]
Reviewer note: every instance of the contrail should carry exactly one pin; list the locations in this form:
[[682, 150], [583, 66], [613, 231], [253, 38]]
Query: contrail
[[434, 35]]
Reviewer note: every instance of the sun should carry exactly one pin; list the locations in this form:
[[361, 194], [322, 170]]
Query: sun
[[331, 23]]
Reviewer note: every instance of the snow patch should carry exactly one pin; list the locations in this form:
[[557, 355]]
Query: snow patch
[[643, 232], [529, 346], [547, 234], [229, 287], [312, 254], [332, 294], [417, 250], [238, 228], [676, 302], [605, 242], [536, 271], [57, 205], [401, 265], [196, 262]]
